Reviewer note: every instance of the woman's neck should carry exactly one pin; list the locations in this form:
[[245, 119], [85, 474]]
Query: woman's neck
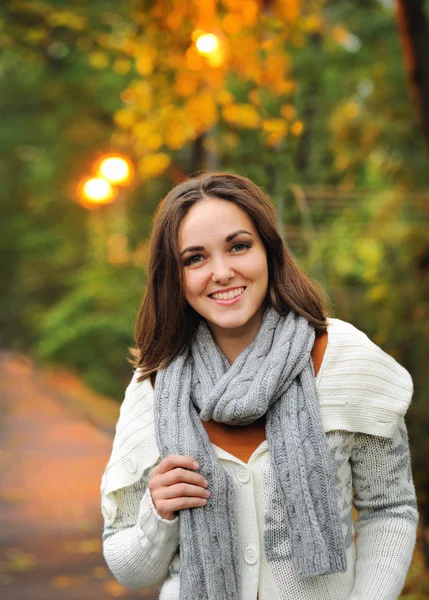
[[232, 342]]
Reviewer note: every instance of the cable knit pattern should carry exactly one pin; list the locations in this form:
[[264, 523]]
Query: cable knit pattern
[[142, 549], [272, 376]]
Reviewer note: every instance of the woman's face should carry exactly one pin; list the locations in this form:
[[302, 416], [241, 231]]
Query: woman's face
[[225, 266]]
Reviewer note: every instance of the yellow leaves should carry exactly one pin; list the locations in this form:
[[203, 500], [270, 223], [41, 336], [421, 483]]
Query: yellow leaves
[[284, 87], [128, 96], [153, 141], [98, 60], [231, 139], [201, 110], [89, 546], [311, 23], [378, 293], [297, 128], [177, 134], [205, 12], [182, 90], [37, 7], [289, 11], [275, 129], [67, 19], [145, 60], [231, 23], [194, 60], [224, 97], [62, 582], [255, 97], [339, 34], [92, 546], [125, 118], [153, 165], [139, 95], [143, 89], [370, 252], [242, 14], [115, 589], [19, 561], [288, 112], [100, 572], [351, 109], [149, 136], [186, 83], [144, 65], [122, 66], [174, 15], [242, 115], [249, 12], [35, 35]]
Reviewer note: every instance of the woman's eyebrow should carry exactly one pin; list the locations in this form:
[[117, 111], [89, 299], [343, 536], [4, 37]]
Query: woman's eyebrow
[[231, 236], [228, 238], [192, 249]]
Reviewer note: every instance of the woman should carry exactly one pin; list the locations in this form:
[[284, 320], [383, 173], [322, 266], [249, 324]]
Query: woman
[[250, 419]]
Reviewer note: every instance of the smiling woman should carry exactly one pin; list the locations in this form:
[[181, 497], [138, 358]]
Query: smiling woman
[[226, 278], [253, 423], [197, 228]]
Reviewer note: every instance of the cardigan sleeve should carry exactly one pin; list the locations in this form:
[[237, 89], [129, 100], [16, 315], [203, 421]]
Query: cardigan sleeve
[[139, 545], [385, 499]]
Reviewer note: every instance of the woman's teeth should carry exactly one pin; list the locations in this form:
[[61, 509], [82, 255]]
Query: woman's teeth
[[228, 295]]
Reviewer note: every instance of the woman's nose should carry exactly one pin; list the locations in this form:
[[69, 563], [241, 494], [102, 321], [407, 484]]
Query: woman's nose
[[222, 272]]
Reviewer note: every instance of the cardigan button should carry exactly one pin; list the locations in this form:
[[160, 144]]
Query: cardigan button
[[106, 512], [131, 465], [243, 475], [250, 555]]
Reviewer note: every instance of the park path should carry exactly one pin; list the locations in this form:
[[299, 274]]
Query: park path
[[55, 440]]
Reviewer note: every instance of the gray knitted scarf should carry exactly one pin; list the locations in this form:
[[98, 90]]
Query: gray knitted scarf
[[273, 375]]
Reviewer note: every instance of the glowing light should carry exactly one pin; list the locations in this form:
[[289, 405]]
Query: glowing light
[[115, 169], [207, 43], [97, 191]]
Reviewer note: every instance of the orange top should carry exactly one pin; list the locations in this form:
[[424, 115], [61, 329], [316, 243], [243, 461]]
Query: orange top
[[243, 441]]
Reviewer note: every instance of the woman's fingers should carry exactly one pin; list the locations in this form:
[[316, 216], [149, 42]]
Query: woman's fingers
[[175, 460], [181, 490], [167, 508], [179, 474], [175, 485]]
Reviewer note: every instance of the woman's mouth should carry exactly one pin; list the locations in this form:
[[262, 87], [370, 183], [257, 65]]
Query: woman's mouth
[[229, 297]]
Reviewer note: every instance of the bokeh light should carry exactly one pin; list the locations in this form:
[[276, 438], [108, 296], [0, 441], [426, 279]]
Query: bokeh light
[[96, 191], [115, 169], [207, 43]]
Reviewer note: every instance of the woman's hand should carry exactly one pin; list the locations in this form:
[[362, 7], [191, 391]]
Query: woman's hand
[[175, 486]]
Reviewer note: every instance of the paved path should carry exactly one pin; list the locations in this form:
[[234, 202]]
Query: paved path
[[51, 461]]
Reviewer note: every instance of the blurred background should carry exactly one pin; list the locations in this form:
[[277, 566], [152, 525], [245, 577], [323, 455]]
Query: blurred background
[[107, 104]]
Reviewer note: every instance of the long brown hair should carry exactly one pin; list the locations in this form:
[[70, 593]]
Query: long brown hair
[[165, 322]]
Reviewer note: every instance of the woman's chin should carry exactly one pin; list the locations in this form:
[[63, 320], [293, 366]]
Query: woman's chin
[[230, 322]]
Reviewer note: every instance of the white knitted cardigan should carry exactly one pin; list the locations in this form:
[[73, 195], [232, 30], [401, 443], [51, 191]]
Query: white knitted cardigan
[[364, 394]]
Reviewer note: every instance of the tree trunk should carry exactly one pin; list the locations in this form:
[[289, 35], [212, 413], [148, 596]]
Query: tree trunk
[[414, 30]]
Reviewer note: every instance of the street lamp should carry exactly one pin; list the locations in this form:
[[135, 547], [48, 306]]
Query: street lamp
[[96, 191], [113, 172], [116, 169], [212, 46], [207, 43]]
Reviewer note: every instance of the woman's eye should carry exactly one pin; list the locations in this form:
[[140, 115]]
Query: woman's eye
[[239, 247], [193, 260]]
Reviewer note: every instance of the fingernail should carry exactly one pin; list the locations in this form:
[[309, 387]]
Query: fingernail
[[196, 465]]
